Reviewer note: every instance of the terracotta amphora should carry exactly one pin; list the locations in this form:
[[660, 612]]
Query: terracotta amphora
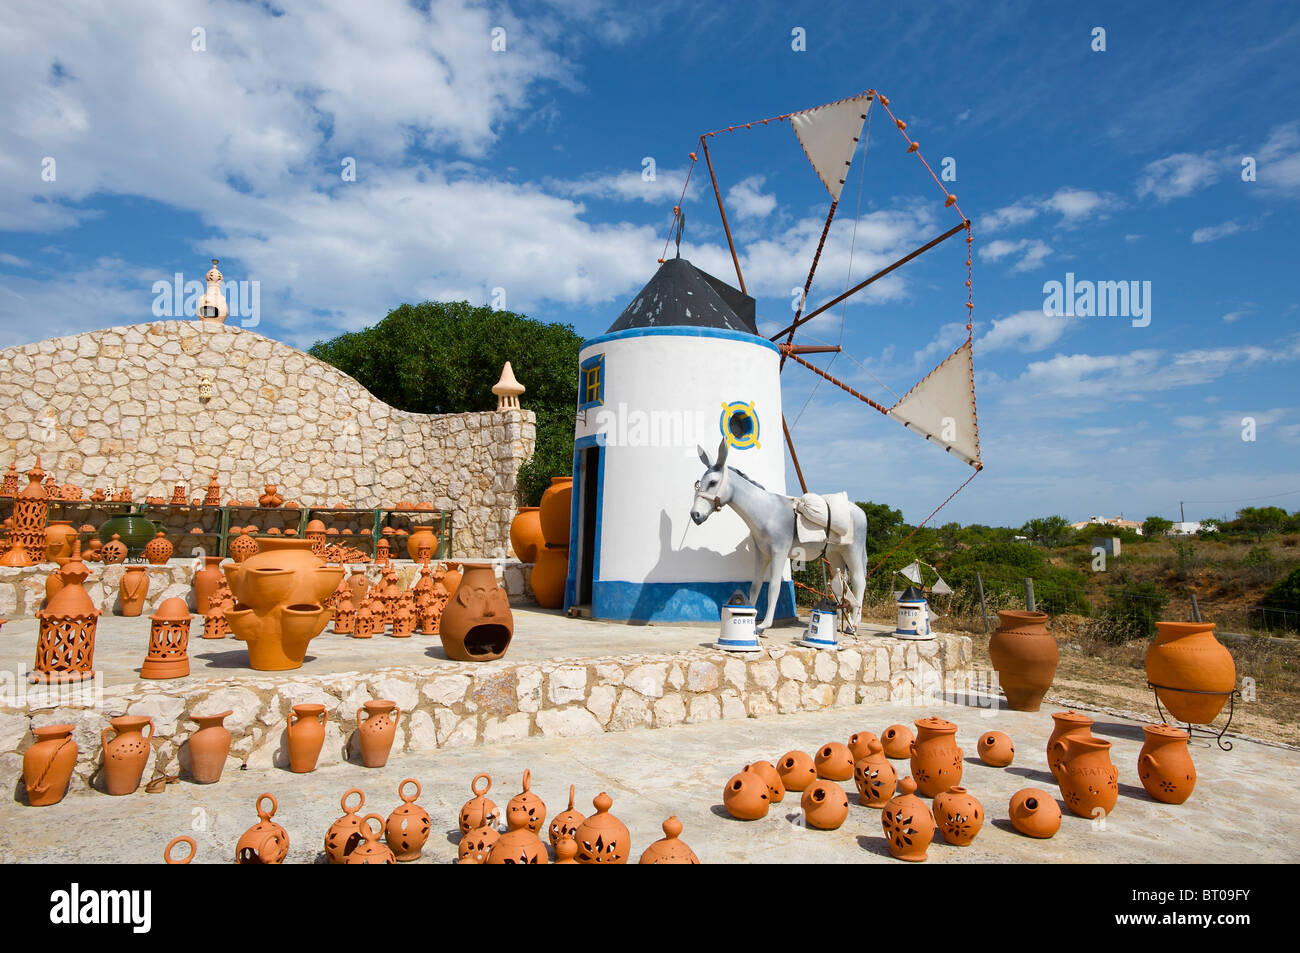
[[344, 835], [126, 755], [834, 762], [206, 583], [958, 815], [266, 842], [478, 811], [936, 759], [208, 747], [566, 823], [1066, 723], [518, 845], [1025, 656], [908, 823], [875, 777], [602, 838], [407, 828], [372, 849], [171, 845], [796, 770], [528, 805], [1034, 813], [477, 625], [745, 796], [1089, 781], [995, 749], [526, 533], [550, 575], [48, 764], [476, 844], [133, 589], [1165, 765], [377, 732], [306, 728], [669, 850], [825, 805], [771, 777], [556, 510], [897, 741], [1186, 655], [860, 745]]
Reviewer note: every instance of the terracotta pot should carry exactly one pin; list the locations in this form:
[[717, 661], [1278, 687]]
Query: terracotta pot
[[126, 755], [670, 850], [1165, 765], [158, 550], [243, 547], [305, 725], [206, 583], [372, 849], [556, 511], [834, 762], [1025, 656], [48, 764], [602, 838], [874, 777], [377, 732], [518, 845], [936, 759], [59, 535], [549, 575], [1034, 813], [478, 811], [53, 583], [908, 824], [958, 815], [451, 579], [477, 624], [860, 745], [344, 835], [1089, 781], [1186, 655], [209, 746], [407, 828], [566, 849], [1066, 723], [527, 805], [421, 544], [771, 777], [476, 844], [897, 741], [133, 589], [171, 844], [796, 770], [745, 797], [825, 805], [266, 842], [995, 749], [526, 534], [566, 823]]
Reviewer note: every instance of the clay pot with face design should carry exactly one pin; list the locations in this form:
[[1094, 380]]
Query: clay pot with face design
[[745, 797], [796, 770], [477, 624]]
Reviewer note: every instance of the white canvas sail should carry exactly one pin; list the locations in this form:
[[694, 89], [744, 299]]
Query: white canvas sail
[[941, 407], [912, 573], [829, 135]]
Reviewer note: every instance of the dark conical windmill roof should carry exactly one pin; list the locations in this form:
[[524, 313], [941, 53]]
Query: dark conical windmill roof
[[680, 294]]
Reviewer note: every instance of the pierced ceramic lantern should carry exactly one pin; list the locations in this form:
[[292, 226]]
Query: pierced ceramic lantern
[[65, 643], [603, 838], [169, 639]]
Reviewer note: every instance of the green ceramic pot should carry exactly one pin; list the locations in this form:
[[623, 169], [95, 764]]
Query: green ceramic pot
[[135, 531]]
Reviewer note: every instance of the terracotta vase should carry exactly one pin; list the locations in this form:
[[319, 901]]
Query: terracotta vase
[[556, 511], [958, 815], [1025, 656], [1165, 765], [825, 805], [874, 777], [158, 550], [372, 849], [59, 535], [1089, 781], [126, 755], [1034, 813], [834, 761], [305, 725], [771, 777], [602, 838], [995, 749], [526, 533], [344, 835], [48, 764], [206, 583], [266, 842], [936, 759], [527, 805], [1186, 655], [422, 544], [209, 746], [908, 824], [477, 624], [745, 797], [133, 589], [171, 845], [451, 579], [377, 732], [359, 585], [550, 575], [476, 844], [518, 845], [669, 850], [566, 823], [478, 811], [796, 770], [53, 583], [897, 741], [1066, 723], [860, 745], [407, 828]]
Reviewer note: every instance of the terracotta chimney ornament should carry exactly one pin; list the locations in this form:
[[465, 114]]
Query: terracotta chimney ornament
[[212, 306], [507, 389]]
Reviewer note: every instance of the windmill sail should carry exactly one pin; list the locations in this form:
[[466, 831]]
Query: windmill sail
[[829, 135], [941, 407]]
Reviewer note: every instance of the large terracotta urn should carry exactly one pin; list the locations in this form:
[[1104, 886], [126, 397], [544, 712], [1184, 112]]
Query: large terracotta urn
[[477, 624], [280, 598], [1025, 656], [549, 576], [556, 510], [305, 727], [1186, 655], [48, 764], [59, 535], [936, 759], [1165, 765], [526, 533], [422, 544], [1089, 780]]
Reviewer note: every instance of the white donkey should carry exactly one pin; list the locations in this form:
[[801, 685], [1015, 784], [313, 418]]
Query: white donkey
[[771, 518]]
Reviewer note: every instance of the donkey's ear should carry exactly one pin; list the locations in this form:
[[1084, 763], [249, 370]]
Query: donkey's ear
[[704, 457], [723, 447]]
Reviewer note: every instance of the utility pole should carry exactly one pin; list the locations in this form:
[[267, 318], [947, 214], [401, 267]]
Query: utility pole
[[1181, 518]]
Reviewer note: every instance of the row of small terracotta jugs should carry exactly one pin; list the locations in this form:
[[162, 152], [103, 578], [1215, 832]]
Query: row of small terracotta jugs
[[48, 764], [1075, 758], [599, 839]]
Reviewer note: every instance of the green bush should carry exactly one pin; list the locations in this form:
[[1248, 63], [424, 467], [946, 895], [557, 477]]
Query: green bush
[[1286, 594], [1132, 612]]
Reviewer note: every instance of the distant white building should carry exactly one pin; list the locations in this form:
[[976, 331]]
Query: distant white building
[[1117, 521], [1189, 528]]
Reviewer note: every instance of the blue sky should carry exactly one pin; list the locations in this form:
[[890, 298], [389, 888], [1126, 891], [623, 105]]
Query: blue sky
[[522, 170]]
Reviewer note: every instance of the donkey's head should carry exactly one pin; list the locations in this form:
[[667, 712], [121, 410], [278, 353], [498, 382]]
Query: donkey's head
[[713, 490]]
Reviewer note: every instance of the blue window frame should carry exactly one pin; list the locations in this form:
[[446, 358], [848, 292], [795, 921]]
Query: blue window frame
[[591, 386]]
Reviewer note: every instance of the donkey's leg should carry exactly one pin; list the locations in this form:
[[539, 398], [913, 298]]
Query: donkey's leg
[[856, 572], [760, 570]]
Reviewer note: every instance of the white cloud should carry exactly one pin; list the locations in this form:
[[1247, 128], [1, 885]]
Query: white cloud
[[748, 199], [1234, 316], [1211, 233], [1031, 252], [1008, 216], [1278, 167], [629, 186], [1077, 205], [1181, 174], [1023, 331]]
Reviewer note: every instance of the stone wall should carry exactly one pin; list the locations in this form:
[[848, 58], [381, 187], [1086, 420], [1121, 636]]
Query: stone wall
[[121, 407]]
